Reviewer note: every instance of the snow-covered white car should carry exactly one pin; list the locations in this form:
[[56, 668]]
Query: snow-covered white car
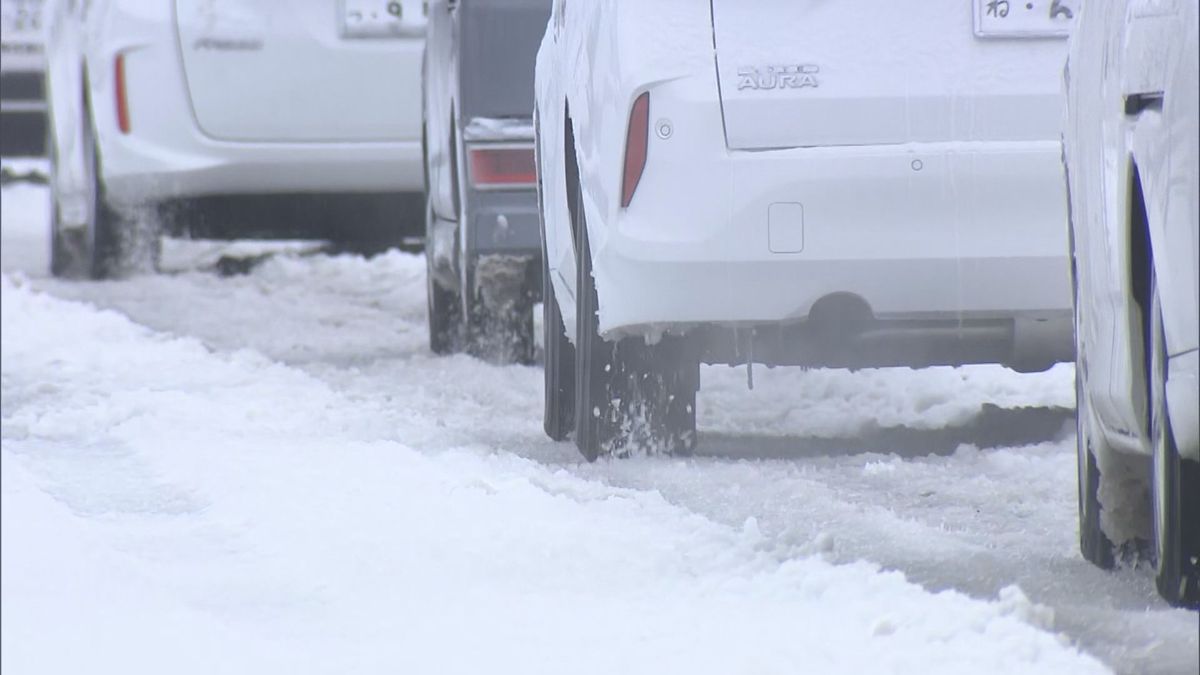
[[1132, 149], [848, 185], [156, 102], [482, 241]]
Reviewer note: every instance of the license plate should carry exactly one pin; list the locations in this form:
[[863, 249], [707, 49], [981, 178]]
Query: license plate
[[1025, 18], [382, 18]]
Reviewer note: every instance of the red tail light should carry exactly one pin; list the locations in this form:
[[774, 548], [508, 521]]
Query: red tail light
[[504, 166], [122, 101], [635, 147]]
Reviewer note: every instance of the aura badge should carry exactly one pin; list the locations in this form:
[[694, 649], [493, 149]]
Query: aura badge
[[778, 77]]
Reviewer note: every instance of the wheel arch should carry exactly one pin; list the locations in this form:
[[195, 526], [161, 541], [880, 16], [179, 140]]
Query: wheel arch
[[572, 185], [1140, 266], [453, 165]]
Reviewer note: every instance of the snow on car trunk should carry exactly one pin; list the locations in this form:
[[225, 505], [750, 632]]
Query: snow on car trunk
[[276, 70], [168, 508], [807, 73]]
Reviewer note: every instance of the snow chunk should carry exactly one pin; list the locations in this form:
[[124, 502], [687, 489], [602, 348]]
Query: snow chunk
[[1014, 602]]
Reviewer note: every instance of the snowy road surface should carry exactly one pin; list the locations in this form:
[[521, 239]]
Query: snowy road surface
[[271, 473]]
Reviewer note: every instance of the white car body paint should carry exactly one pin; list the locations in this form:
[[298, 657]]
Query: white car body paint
[[933, 196], [232, 97], [1122, 51]]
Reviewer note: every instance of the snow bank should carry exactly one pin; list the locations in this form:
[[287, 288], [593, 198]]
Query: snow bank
[[170, 509], [835, 403], [25, 212]]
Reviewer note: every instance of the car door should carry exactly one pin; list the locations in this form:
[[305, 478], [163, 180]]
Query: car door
[[1098, 155]]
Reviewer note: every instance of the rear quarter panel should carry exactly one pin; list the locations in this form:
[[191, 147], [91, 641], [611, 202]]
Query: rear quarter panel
[[595, 59]]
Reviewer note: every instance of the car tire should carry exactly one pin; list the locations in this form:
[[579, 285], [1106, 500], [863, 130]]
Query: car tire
[[443, 305], [112, 244], [68, 246], [445, 314], [558, 418], [558, 354], [1094, 544], [1175, 482], [68, 249], [630, 397]]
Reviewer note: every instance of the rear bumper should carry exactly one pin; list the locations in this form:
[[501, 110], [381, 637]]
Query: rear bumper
[[919, 327], [139, 170], [1183, 402], [942, 233], [504, 222], [641, 291], [503, 229], [1024, 343]]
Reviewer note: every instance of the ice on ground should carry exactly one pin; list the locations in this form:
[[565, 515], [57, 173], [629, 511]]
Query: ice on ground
[[168, 508]]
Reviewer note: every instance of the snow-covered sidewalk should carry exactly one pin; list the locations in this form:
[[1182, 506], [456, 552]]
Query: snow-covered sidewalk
[[171, 509]]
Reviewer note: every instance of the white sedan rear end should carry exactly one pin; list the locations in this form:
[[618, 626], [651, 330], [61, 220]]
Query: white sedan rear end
[[845, 186], [196, 98]]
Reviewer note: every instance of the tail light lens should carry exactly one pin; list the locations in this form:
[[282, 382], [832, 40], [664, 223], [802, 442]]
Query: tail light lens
[[635, 147], [122, 100], [496, 167]]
